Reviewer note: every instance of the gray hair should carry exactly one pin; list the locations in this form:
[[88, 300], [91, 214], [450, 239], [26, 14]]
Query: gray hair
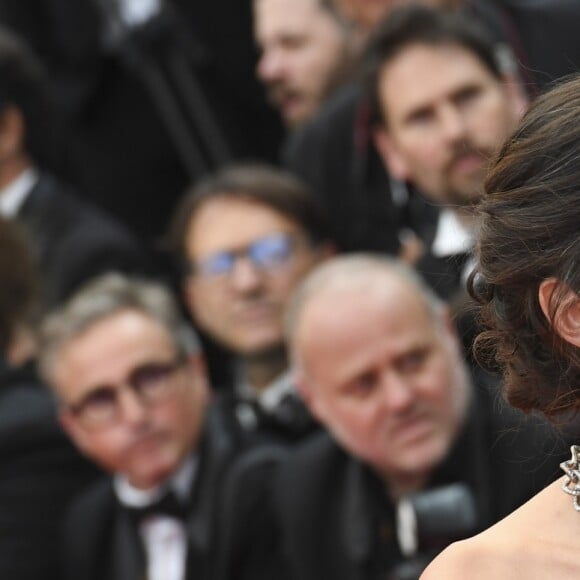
[[103, 297], [352, 271]]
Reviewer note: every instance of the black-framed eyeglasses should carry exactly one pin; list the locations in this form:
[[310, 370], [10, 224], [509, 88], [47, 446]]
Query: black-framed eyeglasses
[[151, 382], [266, 253]]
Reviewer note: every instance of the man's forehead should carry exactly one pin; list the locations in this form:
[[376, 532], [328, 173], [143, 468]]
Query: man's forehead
[[81, 368], [421, 74], [336, 321], [225, 223], [387, 350], [275, 18], [120, 336]]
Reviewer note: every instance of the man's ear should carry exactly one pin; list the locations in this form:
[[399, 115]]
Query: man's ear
[[517, 96], [449, 326], [72, 428], [448, 321], [198, 367], [12, 131], [566, 319], [188, 290], [389, 153], [325, 251], [303, 387], [306, 391]]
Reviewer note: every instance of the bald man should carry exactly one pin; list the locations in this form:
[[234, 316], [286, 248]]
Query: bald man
[[377, 361]]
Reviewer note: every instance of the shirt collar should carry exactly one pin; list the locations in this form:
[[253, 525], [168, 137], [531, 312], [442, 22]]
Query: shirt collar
[[451, 237], [180, 483], [270, 397], [13, 196]]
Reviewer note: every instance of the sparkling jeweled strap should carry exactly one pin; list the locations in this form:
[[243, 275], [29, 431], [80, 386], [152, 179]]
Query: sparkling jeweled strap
[[571, 483]]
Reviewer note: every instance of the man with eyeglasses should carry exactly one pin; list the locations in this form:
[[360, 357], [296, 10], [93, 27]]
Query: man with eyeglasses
[[133, 396], [247, 236]]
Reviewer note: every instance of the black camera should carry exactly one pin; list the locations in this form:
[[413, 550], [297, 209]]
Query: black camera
[[429, 521]]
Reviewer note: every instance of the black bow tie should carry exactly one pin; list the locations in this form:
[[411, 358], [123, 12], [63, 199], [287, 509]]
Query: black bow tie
[[166, 505]]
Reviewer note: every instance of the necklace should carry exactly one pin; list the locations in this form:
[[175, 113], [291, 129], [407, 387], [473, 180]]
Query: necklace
[[571, 483]]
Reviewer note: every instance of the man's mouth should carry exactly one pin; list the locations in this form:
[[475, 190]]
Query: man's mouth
[[286, 99], [467, 163], [144, 443], [254, 313], [412, 429]]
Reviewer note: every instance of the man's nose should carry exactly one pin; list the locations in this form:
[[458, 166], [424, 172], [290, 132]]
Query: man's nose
[[271, 65], [245, 276], [452, 123], [131, 407], [398, 395]]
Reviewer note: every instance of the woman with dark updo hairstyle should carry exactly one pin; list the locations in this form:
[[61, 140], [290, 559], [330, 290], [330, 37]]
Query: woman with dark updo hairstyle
[[528, 283]]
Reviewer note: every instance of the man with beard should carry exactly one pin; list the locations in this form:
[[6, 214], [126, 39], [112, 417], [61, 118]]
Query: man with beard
[[336, 155], [444, 108], [305, 54]]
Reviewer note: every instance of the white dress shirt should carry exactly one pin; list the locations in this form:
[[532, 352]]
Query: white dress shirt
[[451, 238], [164, 537], [268, 399], [13, 196]]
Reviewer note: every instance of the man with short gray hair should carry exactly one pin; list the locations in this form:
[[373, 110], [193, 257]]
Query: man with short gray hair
[[378, 363], [133, 396]]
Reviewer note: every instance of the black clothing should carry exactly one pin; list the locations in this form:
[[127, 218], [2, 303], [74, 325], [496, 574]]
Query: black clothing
[[337, 522], [444, 274], [40, 473], [548, 33], [118, 150], [75, 241], [287, 424], [334, 153], [101, 540], [168, 504]]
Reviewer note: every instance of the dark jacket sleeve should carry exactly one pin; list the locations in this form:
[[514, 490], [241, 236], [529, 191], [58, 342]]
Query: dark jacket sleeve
[[40, 473], [248, 535]]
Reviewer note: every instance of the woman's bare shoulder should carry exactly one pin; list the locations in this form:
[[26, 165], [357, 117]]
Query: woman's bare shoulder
[[473, 559], [527, 544]]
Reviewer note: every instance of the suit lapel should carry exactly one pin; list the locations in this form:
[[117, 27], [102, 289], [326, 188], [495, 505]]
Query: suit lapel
[[217, 450], [356, 519], [128, 560]]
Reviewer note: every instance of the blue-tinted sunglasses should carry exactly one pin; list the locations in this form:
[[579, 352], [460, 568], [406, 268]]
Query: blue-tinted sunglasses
[[265, 253]]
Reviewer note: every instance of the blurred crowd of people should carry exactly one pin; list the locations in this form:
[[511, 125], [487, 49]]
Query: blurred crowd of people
[[235, 245]]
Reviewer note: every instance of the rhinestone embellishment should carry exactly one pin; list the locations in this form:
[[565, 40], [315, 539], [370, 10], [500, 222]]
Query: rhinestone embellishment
[[571, 483]]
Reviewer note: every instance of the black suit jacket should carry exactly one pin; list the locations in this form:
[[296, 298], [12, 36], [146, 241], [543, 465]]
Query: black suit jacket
[[337, 522], [118, 149], [40, 473], [286, 424], [75, 241], [334, 153], [225, 529]]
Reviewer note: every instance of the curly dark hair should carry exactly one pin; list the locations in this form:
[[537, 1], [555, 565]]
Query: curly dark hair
[[530, 231]]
